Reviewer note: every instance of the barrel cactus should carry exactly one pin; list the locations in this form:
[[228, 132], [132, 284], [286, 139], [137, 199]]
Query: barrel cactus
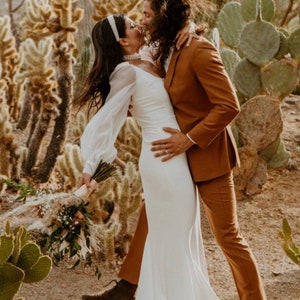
[[20, 261]]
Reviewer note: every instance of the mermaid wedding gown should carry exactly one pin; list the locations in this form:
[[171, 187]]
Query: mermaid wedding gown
[[173, 266]]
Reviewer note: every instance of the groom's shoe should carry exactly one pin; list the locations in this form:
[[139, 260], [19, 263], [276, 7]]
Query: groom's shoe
[[123, 290]]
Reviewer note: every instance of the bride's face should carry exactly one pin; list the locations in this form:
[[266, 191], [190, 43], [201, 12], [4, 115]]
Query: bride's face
[[134, 36]]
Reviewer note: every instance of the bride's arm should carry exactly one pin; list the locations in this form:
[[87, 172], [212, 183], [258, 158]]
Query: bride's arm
[[186, 34], [98, 138]]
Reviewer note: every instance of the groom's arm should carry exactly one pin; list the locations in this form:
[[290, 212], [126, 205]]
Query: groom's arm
[[174, 145]]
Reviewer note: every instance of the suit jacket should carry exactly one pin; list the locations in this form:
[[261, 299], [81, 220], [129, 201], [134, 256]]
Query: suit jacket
[[205, 103]]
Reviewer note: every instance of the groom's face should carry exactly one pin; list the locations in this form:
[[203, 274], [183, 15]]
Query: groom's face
[[148, 16]]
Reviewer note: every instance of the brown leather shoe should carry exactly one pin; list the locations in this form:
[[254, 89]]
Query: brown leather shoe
[[123, 290]]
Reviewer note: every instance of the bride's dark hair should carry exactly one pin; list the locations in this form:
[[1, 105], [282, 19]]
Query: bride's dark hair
[[108, 54]]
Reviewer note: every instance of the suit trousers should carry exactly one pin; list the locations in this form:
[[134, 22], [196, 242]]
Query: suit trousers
[[219, 202]]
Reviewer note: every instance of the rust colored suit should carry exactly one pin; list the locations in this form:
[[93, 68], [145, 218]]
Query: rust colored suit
[[205, 103]]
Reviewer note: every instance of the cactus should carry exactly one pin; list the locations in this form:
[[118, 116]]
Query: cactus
[[288, 245], [21, 261], [47, 21], [267, 72], [68, 17], [294, 44], [284, 45], [10, 62], [42, 89], [230, 16], [246, 78], [266, 45], [259, 125], [129, 141], [248, 10], [259, 122], [231, 60], [70, 165], [279, 78], [10, 159], [107, 7]]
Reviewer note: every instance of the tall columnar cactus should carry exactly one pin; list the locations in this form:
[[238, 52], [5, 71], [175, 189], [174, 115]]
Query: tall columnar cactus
[[70, 166], [10, 152], [40, 74], [10, 61], [107, 7], [263, 63], [21, 261], [124, 190], [56, 19], [68, 17], [129, 141]]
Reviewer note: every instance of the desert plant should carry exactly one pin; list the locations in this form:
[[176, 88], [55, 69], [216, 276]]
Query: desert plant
[[107, 7], [264, 73], [23, 189], [21, 261], [288, 245]]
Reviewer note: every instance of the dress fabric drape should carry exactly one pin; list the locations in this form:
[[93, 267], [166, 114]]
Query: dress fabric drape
[[173, 266]]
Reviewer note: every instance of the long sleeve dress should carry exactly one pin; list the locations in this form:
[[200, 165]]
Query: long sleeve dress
[[173, 266]]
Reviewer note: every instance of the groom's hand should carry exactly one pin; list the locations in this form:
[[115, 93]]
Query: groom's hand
[[176, 144]]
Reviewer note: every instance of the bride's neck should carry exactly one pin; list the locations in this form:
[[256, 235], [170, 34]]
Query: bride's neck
[[129, 57]]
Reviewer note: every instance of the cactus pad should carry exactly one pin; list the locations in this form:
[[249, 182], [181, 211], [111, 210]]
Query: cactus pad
[[10, 280], [6, 246], [39, 271], [259, 122], [294, 44], [284, 46], [279, 78], [260, 42], [247, 78], [248, 9], [230, 23], [230, 60], [29, 256]]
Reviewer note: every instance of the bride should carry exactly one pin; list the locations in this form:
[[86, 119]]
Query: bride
[[125, 78]]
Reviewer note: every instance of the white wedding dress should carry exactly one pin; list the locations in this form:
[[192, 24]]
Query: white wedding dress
[[173, 266]]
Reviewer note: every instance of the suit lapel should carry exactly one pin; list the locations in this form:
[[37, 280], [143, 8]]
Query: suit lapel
[[171, 69]]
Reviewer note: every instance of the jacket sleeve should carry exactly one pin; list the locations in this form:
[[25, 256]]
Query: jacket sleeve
[[98, 138], [220, 92]]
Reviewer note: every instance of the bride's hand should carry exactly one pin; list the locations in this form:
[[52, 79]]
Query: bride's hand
[[85, 179], [185, 35]]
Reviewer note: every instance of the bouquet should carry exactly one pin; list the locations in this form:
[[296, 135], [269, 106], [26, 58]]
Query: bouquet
[[70, 228], [103, 171]]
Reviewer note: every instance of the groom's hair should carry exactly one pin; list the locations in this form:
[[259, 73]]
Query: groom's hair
[[170, 17]]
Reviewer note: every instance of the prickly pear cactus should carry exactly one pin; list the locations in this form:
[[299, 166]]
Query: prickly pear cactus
[[259, 42], [294, 44], [259, 122], [246, 78], [263, 63], [279, 78], [20, 261], [230, 17], [248, 9]]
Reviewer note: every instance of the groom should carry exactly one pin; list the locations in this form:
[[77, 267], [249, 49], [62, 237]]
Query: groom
[[204, 103]]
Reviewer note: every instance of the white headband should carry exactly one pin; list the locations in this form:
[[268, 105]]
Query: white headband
[[112, 23]]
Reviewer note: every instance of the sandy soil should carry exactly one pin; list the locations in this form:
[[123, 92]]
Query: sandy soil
[[260, 218]]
